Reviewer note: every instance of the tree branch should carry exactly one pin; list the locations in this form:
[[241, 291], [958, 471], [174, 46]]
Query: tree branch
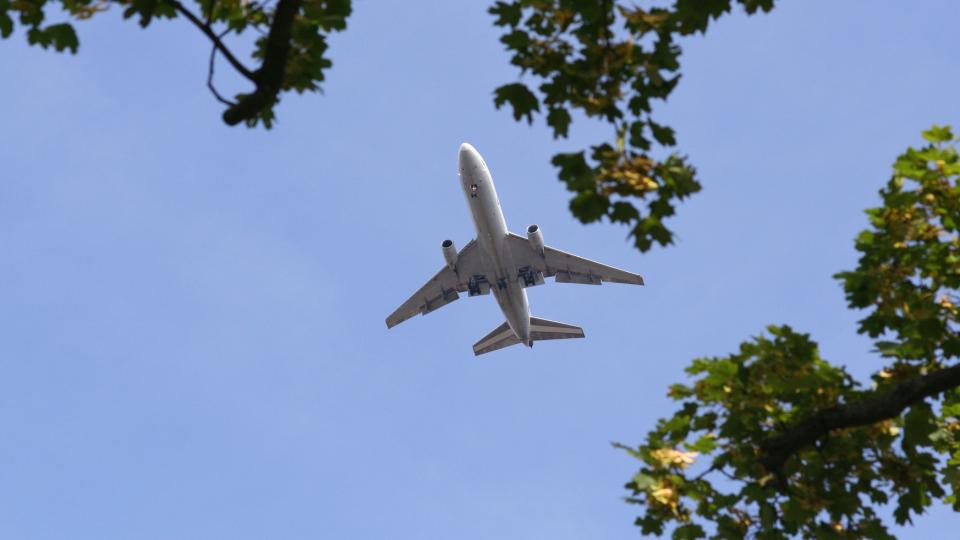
[[206, 29], [882, 405], [269, 78], [712, 468]]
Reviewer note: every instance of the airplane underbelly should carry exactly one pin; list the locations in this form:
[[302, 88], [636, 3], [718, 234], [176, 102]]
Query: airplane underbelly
[[497, 260], [515, 308]]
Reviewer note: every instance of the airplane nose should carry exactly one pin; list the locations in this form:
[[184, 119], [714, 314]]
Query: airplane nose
[[466, 151], [469, 158]]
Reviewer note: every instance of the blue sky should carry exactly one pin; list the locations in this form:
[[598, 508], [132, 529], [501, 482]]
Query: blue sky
[[191, 316]]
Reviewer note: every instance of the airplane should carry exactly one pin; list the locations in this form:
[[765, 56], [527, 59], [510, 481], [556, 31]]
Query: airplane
[[504, 263]]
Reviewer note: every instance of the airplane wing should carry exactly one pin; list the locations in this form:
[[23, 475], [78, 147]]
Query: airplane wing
[[565, 267], [444, 287]]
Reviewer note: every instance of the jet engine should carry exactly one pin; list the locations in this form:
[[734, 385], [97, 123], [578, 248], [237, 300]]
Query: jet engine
[[536, 238], [449, 253]]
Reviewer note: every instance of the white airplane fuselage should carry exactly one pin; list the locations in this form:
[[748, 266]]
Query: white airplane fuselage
[[492, 233]]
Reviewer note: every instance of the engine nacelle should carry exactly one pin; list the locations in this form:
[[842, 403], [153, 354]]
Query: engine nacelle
[[449, 253], [536, 238]]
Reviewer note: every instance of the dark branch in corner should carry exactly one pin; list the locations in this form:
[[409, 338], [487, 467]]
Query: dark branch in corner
[[269, 78], [206, 29], [883, 405]]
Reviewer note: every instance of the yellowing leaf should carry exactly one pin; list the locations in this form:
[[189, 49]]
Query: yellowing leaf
[[666, 494], [671, 457]]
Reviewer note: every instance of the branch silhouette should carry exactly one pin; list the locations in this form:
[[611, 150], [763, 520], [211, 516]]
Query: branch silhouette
[[881, 405]]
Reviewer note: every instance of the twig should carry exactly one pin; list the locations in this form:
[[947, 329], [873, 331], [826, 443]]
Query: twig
[[213, 89], [712, 468], [206, 29]]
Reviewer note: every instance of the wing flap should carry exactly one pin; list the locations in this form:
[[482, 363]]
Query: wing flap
[[436, 293], [565, 276], [442, 288], [566, 267]]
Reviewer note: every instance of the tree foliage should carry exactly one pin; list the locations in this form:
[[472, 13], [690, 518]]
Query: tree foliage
[[605, 59], [290, 46], [774, 441], [611, 61]]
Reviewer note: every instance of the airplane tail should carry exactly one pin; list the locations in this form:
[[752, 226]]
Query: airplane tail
[[540, 330]]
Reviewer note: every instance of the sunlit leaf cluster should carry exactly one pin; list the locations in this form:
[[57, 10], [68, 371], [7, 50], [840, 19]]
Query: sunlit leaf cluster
[[610, 61], [703, 472]]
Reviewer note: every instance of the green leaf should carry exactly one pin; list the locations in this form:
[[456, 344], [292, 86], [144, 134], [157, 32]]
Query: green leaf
[[679, 391], [559, 119], [637, 137], [62, 36], [518, 40], [704, 444], [768, 516], [663, 134], [589, 206], [574, 171], [690, 531], [523, 101], [147, 10], [623, 212], [938, 134], [508, 14], [6, 23], [643, 482], [952, 409], [890, 349]]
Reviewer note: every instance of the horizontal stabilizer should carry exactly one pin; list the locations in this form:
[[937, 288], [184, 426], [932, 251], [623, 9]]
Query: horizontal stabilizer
[[540, 330], [502, 337]]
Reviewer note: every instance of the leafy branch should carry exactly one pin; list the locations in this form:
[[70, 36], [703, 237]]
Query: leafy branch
[[611, 61], [811, 452], [884, 404]]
